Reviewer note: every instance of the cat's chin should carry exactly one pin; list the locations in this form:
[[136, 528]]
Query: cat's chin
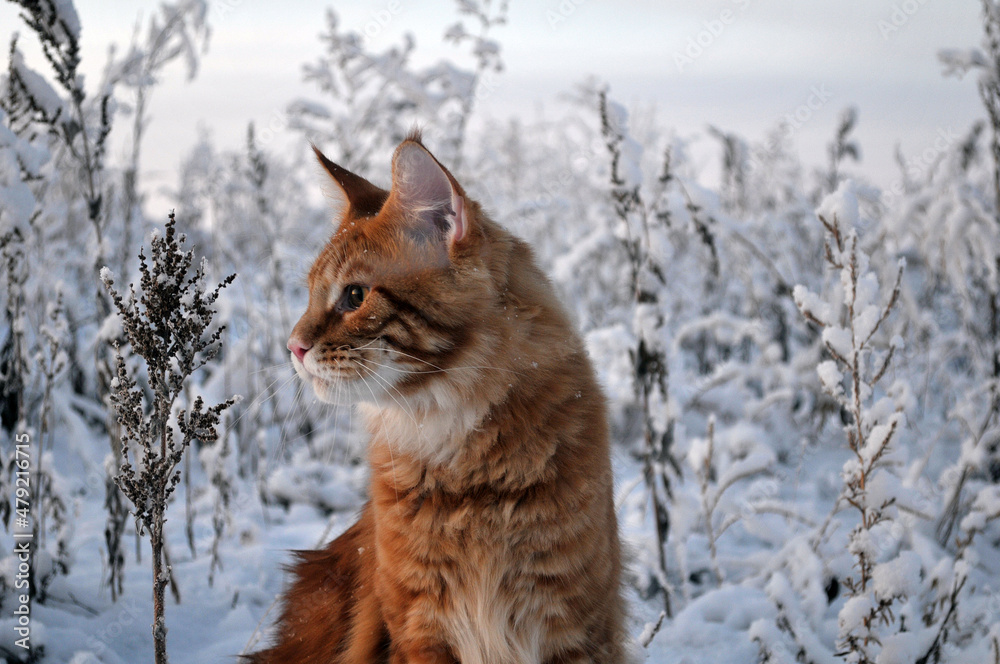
[[344, 391]]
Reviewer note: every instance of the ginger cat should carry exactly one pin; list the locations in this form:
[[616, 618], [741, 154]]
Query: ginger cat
[[490, 535]]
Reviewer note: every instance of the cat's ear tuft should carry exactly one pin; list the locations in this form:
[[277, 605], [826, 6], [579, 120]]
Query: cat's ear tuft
[[360, 197], [433, 202]]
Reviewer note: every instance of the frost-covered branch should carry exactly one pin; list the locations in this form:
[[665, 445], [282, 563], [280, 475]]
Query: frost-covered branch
[[649, 357], [850, 316], [714, 484], [169, 324]]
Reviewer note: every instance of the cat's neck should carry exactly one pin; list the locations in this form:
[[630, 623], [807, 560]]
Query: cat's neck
[[432, 436]]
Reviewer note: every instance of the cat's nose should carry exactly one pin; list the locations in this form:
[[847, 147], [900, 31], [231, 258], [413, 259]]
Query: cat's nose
[[298, 347]]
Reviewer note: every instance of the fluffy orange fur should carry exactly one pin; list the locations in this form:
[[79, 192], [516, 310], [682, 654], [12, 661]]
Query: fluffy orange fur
[[490, 535]]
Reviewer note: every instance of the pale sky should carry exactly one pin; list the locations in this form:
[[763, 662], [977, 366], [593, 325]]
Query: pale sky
[[758, 61]]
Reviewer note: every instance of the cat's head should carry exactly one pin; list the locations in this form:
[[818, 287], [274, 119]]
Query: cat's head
[[401, 294]]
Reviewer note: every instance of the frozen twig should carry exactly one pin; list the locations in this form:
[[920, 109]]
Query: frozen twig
[[169, 324]]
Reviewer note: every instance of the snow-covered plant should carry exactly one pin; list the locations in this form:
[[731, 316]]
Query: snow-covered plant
[[374, 99], [177, 30], [23, 364], [649, 357], [22, 157], [485, 17], [735, 157], [986, 60], [978, 451], [983, 211], [49, 503], [169, 325], [252, 214], [214, 459], [55, 129], [715, 481], [842, 147], [65, 121], [949, 627], [30, 98], [850, 317], [14, 364]]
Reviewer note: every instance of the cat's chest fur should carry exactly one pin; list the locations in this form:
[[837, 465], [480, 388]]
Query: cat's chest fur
[[457, 546]]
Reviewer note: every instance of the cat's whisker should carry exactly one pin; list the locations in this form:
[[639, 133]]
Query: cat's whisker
[[366, 345], [392, 461], [281, 433], [334, 413], [282, 365], [443, 370], [305, 434], [406, 408], [262, 397], [398, 369]]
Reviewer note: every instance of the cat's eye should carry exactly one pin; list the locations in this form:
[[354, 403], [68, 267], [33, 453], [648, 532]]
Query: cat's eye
[[354, 295]]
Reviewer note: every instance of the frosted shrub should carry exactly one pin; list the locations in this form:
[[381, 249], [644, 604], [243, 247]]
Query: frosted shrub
[[649, 356], [714, 485], [374, 98], [849, 318]]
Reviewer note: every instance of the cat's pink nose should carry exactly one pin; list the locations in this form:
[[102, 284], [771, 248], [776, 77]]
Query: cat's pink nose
[[298, 347]]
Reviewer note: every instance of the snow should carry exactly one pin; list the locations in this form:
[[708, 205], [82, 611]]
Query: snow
[[986, 507], [67, 18], [44, 94], [18, 204], [898, 577], [810, 302], [649, 631], [865, 542], [831, 377], [839, 340], [608, 349], [841, 206], [905, 648], [883, 487], [16, 155], [855, 611], [877, 439], [864, 322]]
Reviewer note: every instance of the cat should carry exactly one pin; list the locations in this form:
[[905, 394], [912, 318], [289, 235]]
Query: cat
[[490, 534]]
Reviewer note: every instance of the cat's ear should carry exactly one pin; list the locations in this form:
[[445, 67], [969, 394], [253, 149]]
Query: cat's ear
[[360, 197], [431, 199]]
